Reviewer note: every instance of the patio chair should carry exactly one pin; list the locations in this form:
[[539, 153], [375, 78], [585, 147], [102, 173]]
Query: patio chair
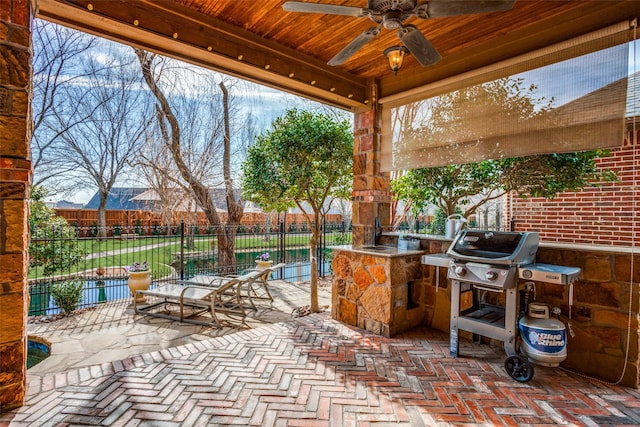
[[220, 295], [258, 288]]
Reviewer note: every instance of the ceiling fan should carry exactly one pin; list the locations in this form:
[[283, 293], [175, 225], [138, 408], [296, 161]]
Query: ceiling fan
[[391, 14]]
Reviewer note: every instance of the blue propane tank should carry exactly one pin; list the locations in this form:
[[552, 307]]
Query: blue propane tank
[[544, 340]]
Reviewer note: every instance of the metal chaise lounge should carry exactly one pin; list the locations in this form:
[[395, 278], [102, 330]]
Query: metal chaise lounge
[[259, 289], [189, 301], [249, 289]]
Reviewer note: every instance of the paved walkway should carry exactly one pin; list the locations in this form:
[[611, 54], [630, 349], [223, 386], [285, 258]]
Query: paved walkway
[[113, 332], [313, 371]]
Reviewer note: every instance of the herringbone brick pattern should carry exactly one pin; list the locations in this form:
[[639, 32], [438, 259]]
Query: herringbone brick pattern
[[313, 371]]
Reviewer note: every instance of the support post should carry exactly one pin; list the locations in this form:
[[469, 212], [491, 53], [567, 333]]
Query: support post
[[15, 180]]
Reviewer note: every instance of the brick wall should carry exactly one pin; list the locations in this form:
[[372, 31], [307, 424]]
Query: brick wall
[[600, 215]]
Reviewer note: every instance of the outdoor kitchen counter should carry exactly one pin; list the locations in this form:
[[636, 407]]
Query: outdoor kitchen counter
[[382, 288], [389, 291]]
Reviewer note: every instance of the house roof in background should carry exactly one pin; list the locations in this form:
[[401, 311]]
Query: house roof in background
[[121, 199], [180, 200], [146, 199], [65, 204]]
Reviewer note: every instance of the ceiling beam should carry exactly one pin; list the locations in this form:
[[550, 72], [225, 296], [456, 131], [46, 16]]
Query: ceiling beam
[[174, 31]]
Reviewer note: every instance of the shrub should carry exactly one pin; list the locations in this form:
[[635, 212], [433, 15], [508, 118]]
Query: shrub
[[67, 295], [341, 239], [53, 245], [439, 222]]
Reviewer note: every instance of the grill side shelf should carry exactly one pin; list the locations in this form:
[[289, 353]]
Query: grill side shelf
[[549, 273]]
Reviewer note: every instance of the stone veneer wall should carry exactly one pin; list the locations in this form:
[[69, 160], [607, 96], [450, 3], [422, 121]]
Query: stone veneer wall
[[15, 172], [371, 193], [605, 302], [370, 292]]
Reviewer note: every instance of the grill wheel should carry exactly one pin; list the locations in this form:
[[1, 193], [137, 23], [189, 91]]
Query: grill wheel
[[519, 368]]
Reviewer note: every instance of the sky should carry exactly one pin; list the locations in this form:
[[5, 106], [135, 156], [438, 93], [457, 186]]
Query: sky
[[265, 104]]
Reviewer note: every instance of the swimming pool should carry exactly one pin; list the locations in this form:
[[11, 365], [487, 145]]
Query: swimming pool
[[38, 349]]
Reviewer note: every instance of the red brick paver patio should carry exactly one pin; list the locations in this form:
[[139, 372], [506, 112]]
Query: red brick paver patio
[[313, 371]]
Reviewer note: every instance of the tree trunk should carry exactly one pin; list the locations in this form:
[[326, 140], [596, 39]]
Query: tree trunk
[[313, 286], [226, 240], [316, 229], [102, 216], [235, 210]]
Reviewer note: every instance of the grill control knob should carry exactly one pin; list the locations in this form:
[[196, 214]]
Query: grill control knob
[[491, 276], [460, 270]]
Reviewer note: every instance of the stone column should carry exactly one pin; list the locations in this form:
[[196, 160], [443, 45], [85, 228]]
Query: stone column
[[15, 175], [371, 195]]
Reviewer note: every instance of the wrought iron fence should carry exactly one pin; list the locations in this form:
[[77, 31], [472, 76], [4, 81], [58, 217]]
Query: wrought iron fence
[[171, 253]]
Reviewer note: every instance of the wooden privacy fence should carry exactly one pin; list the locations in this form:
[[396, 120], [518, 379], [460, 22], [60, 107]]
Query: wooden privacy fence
[[132, 221]]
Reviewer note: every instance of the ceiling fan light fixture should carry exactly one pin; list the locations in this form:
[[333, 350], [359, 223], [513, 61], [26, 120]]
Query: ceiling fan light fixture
[[395, 55]]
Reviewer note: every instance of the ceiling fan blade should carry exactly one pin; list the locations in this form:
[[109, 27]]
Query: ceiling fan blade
[[354, 46], [298, 6], [441, 8], [418, 45]]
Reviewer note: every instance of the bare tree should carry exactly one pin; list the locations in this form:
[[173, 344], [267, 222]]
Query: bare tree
[[234, 205], [194, 162], [57, 55], [156, 164], [112, 103], [345, 208]]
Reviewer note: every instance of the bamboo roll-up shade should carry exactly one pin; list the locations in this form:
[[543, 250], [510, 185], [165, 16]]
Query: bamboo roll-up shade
[[571, 97]]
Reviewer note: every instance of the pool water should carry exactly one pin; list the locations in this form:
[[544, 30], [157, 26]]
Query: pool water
[[99, 291], [37, 351]]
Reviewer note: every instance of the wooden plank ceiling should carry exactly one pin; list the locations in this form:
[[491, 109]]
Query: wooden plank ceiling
[[259, 41]]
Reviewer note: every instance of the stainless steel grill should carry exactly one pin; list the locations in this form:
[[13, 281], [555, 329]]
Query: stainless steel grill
[[495, 247], [493, 261]]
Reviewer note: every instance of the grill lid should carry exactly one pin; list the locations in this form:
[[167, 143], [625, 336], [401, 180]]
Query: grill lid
[[495, 247]]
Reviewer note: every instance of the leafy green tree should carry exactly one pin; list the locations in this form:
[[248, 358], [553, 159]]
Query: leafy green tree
[[470, 186], [53, 244], [305, 159]]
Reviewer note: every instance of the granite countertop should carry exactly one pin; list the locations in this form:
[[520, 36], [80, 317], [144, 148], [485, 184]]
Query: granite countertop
[[417, 236], [380, 251]]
